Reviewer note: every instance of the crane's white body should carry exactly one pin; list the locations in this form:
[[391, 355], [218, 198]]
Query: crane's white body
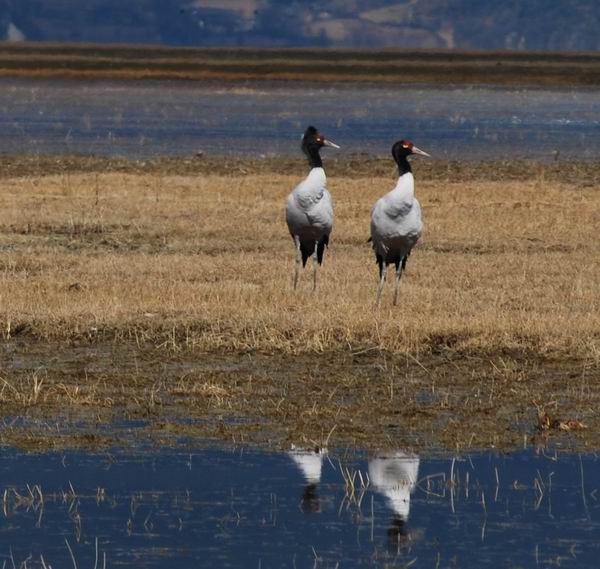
[[396, 221], [395, 475], [309, 216], [395, 228], [309, 211]]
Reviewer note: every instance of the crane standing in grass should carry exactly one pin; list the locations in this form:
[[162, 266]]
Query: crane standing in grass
[[396, 219], [309, 211]]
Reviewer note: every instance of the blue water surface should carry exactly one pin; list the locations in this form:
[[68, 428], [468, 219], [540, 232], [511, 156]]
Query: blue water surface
[[179, 118], [219, 507]]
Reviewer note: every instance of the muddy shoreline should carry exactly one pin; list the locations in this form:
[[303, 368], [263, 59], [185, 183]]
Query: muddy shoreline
[[584, 173], [442, 67], [92, 395]]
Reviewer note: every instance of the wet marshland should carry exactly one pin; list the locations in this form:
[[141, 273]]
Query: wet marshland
[[157, 506]]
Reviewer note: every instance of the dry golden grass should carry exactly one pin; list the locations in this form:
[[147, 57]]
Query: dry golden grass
[[205, 262]]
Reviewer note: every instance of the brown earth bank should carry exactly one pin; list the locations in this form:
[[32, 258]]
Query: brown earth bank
[[89, 396], [574, 173], [403, 66], [161, 290]]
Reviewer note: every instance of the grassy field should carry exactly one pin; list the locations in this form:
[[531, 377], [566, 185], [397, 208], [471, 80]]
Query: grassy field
[[182, 284], [502, 265], [404, 66]]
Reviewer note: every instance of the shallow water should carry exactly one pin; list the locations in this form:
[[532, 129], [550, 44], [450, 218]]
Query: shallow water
[[238, 508], [144, 119]]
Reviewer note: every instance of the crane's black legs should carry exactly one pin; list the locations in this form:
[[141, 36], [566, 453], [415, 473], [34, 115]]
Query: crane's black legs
[[382, 275], [315, 265], [298, 261], [399, 267], [400, 264], [301, 256]]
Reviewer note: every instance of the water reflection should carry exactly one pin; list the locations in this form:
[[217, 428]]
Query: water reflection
[[310, 463], [163, 507], [394, 474]]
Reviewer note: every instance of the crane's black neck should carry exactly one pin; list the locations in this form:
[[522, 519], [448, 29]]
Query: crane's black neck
[[403, 165], [314, 158]]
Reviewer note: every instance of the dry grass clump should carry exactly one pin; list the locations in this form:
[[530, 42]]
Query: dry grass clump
[[205, 262]]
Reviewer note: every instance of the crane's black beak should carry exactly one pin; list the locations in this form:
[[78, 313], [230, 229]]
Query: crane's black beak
[[329, 143], [416, 150]]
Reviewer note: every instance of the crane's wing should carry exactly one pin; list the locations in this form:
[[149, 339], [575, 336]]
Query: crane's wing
[[294, 216], [320, 214], [380, 222]]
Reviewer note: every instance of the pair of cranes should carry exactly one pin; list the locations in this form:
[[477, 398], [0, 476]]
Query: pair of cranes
[[395, 218]]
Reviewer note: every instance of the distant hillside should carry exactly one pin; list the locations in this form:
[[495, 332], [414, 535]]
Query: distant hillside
[[558, 25]]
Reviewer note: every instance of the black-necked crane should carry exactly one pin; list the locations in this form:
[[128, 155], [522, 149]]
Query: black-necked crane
[[396, 219], [309, 210]]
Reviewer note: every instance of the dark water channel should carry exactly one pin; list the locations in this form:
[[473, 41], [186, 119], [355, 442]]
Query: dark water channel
[[238, 508], [144, 119]]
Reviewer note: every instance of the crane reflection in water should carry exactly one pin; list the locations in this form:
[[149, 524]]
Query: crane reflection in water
[[394, 475], [310, 463]]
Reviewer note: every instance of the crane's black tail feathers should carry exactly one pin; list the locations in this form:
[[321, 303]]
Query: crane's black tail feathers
[[401, 261], [321, 248], [380, 261], [307, 249], [397, 261]]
